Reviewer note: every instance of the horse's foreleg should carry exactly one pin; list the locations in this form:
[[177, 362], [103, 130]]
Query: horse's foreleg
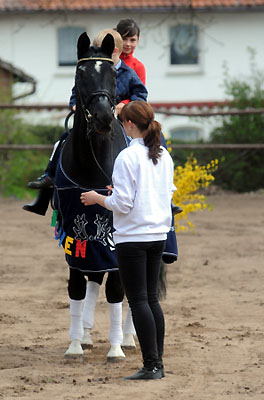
[[76, 290], [92, 293], [116, 334], [115, 293], [129, 331], [76, 329]]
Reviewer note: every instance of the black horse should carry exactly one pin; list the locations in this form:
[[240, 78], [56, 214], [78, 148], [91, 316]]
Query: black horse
[[86, 163]]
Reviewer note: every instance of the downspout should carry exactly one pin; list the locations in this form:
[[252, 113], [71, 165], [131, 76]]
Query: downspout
[[33, 90]]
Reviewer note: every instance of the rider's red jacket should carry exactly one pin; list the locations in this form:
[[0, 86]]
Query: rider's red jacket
[[136, 65]]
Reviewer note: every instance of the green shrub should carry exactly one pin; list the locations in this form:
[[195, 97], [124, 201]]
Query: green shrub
[[17, 167], [238, 170], [242, 170]]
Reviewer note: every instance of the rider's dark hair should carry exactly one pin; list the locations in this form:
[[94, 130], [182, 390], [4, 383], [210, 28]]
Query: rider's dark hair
[[142, 115], [127, 28]]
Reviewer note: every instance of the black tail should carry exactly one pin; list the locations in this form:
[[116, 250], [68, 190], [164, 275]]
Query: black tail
[[162, 288]]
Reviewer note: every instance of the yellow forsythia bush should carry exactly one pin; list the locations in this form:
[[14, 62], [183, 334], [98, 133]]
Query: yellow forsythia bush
[[188, 180]]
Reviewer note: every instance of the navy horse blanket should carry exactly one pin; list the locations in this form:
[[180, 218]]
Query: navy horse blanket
[[86, 233], [170, 252]]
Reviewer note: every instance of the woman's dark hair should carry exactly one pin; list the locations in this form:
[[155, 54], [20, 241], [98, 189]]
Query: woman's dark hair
[[127, 28], [142, 115]]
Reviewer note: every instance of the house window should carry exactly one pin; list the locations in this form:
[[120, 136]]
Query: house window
[[187, 134], [67, 44], [184, 45]]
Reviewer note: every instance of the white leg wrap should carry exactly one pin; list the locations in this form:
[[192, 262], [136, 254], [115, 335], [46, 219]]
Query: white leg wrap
[[115, 353], [116, 333], [76, 327], [92, 293], [74, 350], [87, 342], [129, 325]]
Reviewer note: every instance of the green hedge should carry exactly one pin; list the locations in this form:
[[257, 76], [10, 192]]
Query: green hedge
[[18, 167], [239, 170]]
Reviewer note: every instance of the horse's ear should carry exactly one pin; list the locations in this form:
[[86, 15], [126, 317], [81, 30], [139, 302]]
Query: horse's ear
[[83, 45], [108, 45]]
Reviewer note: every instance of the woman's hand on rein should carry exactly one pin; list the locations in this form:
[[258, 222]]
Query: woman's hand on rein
[[110, 189], [89, 198]]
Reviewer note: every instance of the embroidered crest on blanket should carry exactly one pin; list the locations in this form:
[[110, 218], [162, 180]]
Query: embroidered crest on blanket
[[86, 233]]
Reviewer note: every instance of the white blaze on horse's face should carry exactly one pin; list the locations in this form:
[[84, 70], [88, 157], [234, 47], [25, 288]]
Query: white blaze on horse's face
[[98, 66]]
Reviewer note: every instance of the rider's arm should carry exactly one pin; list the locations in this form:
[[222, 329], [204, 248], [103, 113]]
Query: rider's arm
[[137, 90], [72, 102]]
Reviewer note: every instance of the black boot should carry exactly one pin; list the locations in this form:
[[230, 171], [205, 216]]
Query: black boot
[[43, 182], [146, 374], [161, 367], [41, 203]]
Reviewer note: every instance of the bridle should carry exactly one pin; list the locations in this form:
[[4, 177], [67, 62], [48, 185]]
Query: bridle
[[88, 114]]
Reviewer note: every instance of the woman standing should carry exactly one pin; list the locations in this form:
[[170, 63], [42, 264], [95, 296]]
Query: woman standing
[[141, 205]]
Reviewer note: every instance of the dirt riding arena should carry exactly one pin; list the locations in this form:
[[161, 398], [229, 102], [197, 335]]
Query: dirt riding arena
[[214, 345]]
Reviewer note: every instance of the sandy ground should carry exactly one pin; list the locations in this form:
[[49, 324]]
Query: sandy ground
[[214, 346]]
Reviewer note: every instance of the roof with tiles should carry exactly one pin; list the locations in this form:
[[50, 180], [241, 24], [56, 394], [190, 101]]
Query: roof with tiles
[[104, 5]]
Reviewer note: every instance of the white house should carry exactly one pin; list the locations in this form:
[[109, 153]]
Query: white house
[[183, 44]]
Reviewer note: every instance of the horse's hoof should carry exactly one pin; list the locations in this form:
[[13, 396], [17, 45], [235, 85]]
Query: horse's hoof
[[115, 354], [87, 342], [75, 350], [128, 341]]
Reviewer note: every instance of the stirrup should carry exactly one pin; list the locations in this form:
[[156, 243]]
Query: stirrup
[[43, 182]]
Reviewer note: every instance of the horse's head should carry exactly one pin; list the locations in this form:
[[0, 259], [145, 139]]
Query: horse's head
[[95, 83]]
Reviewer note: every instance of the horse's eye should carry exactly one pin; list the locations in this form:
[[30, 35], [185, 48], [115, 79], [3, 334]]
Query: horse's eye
[[82, 68]]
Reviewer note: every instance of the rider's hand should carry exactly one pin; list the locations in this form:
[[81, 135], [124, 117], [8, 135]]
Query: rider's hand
[[119, 108]]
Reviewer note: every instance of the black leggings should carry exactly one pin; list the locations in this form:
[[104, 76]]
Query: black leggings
[[139, 266], [113, 288]]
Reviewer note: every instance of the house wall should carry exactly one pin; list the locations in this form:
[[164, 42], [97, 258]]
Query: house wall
[[30, 43]]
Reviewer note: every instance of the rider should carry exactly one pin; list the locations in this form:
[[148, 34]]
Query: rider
[[128, 87], [129, 30]]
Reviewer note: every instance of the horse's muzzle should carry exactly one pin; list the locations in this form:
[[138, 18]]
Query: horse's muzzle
[[103, 125]]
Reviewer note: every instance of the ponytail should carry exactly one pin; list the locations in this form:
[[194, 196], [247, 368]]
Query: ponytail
[[142, 115], [152, 140]]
